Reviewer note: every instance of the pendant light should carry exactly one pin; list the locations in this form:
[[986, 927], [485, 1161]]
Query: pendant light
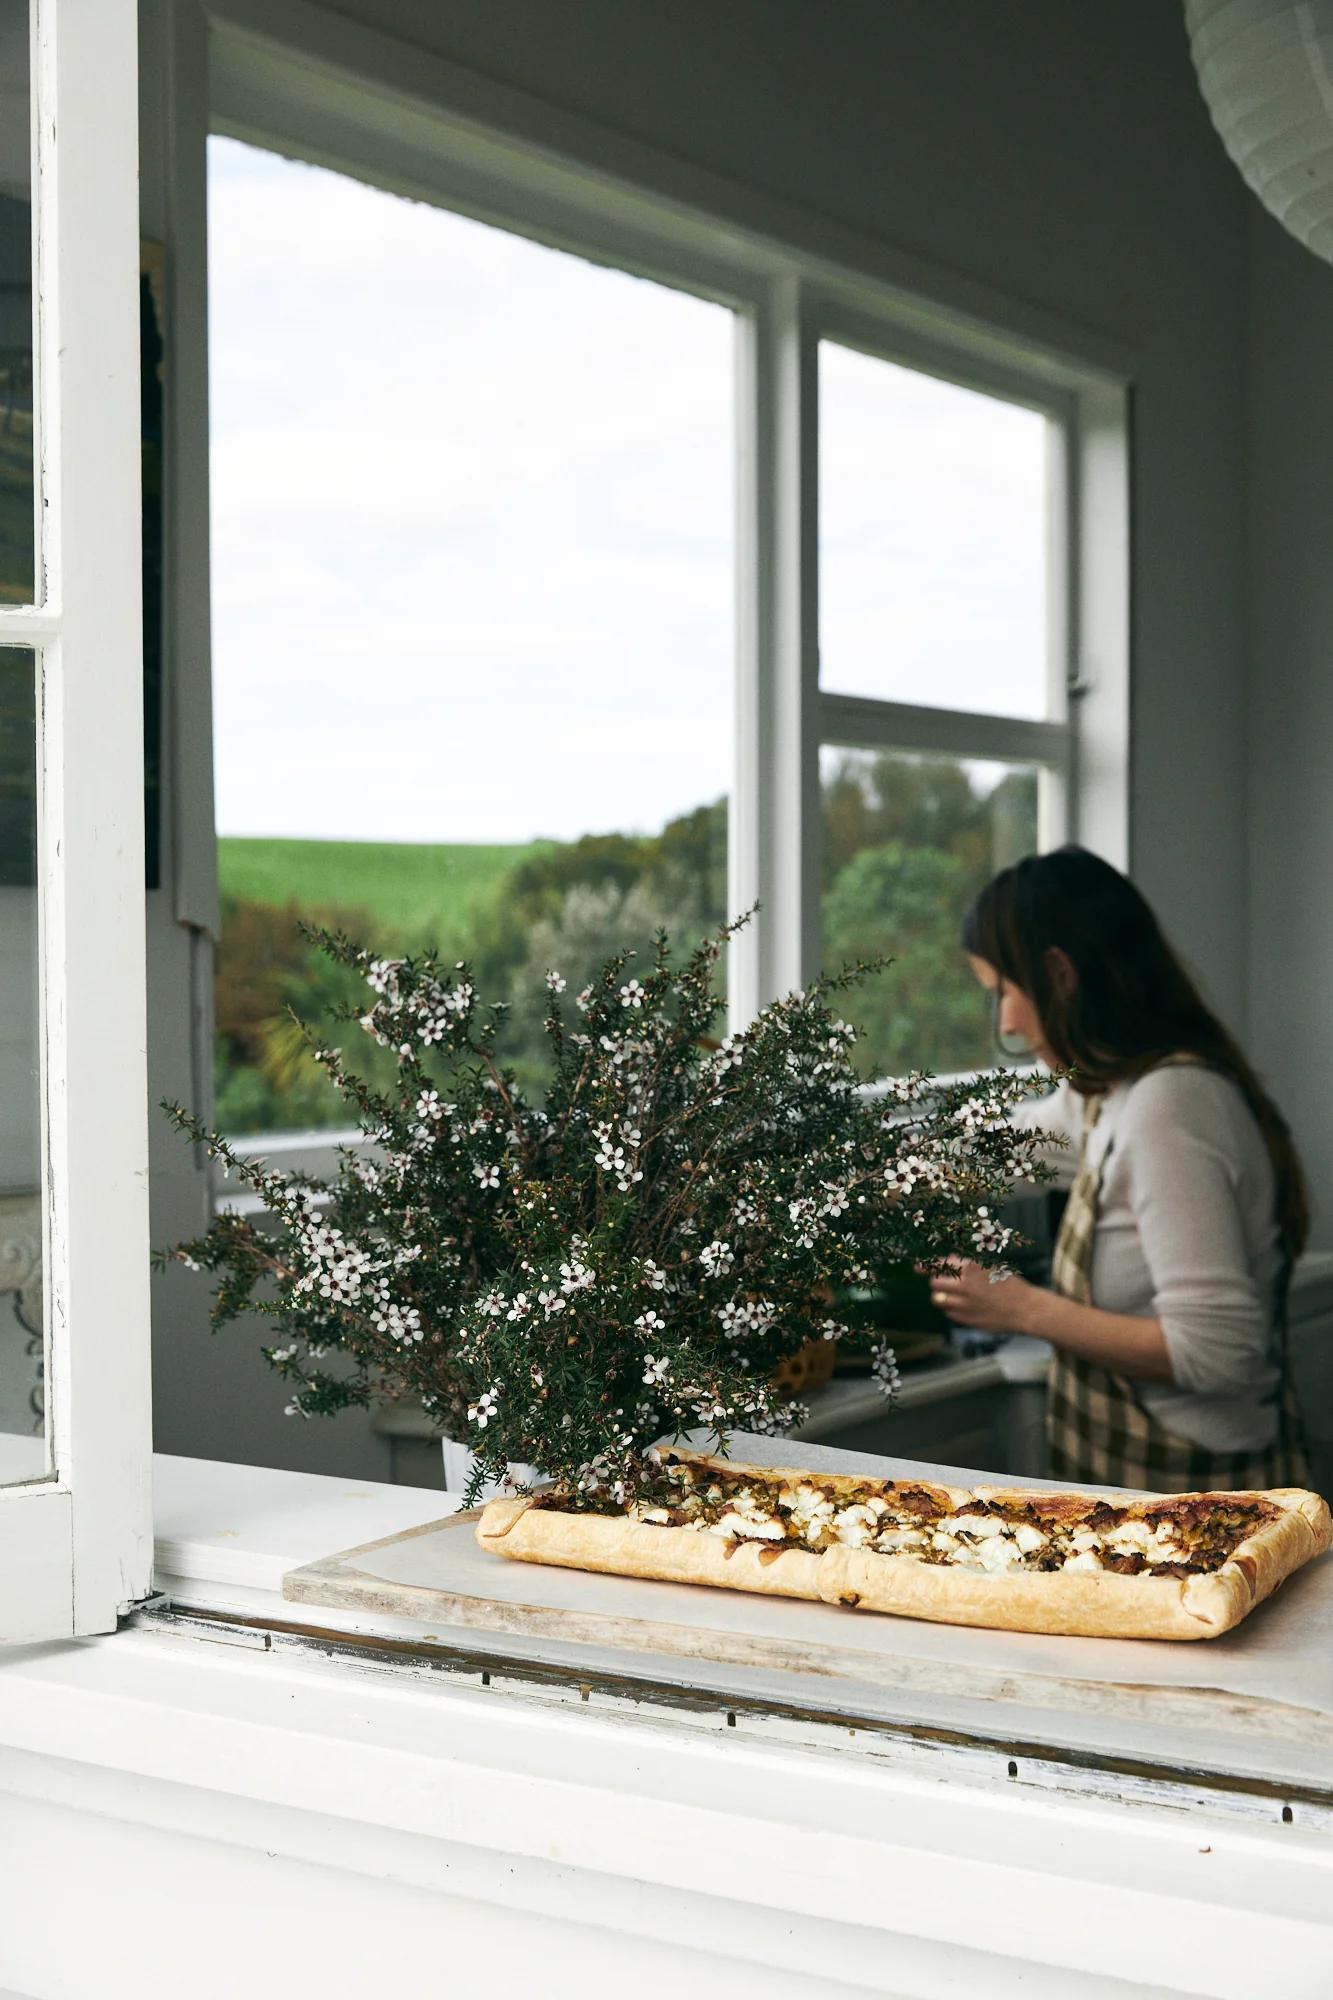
[[1266, 69]]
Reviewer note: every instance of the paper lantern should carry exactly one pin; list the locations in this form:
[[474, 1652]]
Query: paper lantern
[[1266, 68]]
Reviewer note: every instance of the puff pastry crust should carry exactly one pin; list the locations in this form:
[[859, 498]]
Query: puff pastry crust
[[1295, 1526]]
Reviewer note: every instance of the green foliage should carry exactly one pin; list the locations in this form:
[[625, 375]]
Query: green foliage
[[565, 1278], [412, 891], [908, 902], [908, 844], [511, 911]]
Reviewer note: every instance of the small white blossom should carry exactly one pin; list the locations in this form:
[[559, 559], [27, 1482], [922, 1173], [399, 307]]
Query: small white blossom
[[884, 1368], [401, 1323], [717, 1259], [556, 981], [632, 994], [481, 1412]]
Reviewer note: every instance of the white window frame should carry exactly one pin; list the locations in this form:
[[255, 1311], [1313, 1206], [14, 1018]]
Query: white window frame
[[76, 1543], [426, 137], [285, 76]]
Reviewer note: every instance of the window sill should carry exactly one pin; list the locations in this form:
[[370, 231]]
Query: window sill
[[254, 1773]]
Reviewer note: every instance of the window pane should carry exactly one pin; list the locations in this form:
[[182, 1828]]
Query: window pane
[[17, 515], [932, 540], [908, 843], [472, 507], [22, 1359]]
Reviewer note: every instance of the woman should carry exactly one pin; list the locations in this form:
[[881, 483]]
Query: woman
[[1188, 1203]]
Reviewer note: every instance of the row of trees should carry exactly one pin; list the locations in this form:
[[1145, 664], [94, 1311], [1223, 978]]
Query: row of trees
[[907, 844]]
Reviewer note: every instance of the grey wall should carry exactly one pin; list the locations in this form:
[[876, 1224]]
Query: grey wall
[[1060, 154], [1290, 712]]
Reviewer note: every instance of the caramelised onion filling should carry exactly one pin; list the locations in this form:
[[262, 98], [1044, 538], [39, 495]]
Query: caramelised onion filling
[[892, 1518]]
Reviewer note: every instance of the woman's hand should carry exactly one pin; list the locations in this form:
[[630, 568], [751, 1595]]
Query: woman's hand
[[1130, 1346], [971, 1295]]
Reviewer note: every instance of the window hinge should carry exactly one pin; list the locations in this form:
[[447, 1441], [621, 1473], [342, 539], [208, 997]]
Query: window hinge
[[1078, 684]]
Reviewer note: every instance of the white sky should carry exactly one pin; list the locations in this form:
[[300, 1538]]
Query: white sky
[[472, 527]]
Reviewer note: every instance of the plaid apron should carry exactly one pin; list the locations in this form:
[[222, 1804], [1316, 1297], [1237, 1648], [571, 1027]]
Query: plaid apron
[[1098, 1429]]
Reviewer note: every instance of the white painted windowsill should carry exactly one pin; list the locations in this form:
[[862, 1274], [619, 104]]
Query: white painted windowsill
[[743, 1834]]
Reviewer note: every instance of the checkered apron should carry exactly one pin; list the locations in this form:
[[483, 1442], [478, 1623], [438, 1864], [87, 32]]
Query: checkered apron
[[1098, 1429]]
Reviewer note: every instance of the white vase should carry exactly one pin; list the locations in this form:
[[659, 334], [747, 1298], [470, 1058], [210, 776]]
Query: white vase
[[459, 1460]]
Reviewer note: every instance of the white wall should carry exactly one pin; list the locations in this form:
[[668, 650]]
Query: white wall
[[1290, 712], [1059, 154]]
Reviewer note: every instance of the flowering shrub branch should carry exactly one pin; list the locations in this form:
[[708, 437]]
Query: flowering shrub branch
[[563, 1283]]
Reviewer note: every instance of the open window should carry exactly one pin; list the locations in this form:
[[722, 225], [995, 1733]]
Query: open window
[[75, 1541], [762, 303]]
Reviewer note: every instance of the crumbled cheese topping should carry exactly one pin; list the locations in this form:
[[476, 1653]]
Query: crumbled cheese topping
[[1000, 1537]]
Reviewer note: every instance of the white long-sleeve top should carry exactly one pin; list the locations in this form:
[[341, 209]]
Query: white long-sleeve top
[[1187, 1235]]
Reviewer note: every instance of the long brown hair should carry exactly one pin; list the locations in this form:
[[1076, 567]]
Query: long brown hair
[[1133, 1002]]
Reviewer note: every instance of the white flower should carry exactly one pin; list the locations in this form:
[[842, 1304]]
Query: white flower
[[884, 1368], [632, 994], [808, 1228], [429, 1106], [481, 1412], [575, 1276], [755, 1315], [489, 1177], [382, 976], [717, 1259], [402, 1323], [990, 1235], [651, 1322], [556, 981], [654, 1275], [519, 1306], [583, 1000], [656, 1368]]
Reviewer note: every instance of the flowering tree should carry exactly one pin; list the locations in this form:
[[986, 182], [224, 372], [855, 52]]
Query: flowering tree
[[563, 1283]]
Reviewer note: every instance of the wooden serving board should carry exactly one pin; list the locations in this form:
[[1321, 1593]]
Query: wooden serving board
[[1259, 1699]]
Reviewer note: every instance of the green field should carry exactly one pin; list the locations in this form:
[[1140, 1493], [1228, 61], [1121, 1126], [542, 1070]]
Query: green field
[[420, 891]]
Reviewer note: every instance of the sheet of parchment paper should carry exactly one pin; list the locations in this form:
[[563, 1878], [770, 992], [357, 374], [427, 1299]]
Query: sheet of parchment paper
[[1282, 1653]]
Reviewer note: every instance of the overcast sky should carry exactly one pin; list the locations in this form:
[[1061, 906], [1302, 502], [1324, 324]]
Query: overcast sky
[[472, 527]]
